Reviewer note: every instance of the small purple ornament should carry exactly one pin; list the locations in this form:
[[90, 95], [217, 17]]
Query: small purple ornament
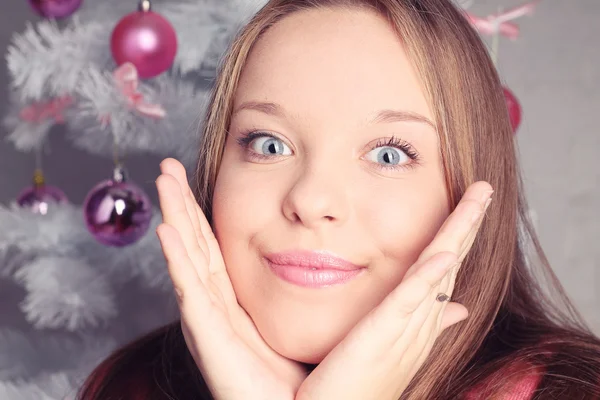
[[117, 213], [55, 8], [40, 198]]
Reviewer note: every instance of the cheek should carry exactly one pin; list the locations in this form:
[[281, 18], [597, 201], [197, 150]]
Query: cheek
[[402, 221], [244, 203]]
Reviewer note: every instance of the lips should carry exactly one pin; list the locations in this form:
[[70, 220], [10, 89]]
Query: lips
[[312, 269]]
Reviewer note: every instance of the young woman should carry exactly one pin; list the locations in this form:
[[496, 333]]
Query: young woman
[[347, 164]]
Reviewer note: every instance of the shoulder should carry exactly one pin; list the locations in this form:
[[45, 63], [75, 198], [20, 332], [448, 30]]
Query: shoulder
[[562, 370], [572, 369], [155, 366], [516, 381]]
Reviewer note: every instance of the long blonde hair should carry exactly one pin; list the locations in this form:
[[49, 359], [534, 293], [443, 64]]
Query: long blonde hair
[[511, 316]]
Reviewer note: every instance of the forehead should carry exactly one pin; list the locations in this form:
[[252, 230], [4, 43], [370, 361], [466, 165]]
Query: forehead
[[332, 62]]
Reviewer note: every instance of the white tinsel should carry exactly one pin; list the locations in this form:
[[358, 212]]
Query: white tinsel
[[25, 353], [213, 23], [18, 355], [65, 293], [199, 24], [25, 135], [48, 61], [26, 356], [73, 286], [62, 233], [52, 386], [45, 60], [174, 135], [145, 255]]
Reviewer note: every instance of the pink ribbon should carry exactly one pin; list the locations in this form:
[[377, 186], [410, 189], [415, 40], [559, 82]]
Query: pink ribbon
[[501, 22], [127, 80], [52, 109]]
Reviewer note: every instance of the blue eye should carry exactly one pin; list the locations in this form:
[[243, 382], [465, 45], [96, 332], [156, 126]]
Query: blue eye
[[387, 156], [270, 146]]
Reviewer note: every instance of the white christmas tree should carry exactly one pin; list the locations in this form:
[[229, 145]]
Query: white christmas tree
[[63, 72]]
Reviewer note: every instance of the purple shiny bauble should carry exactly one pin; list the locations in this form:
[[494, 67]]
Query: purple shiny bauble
[[145, 39], [55, 8], [117, 213], [39, 199]]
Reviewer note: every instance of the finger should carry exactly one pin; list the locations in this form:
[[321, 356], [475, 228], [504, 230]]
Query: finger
[[448, 282], [410, 300], [175, 168], [201, 223], [468, 243], [451, 313], [411, 330], [212, 243], [208, 335], [175, 214], [188, 286], [457, 227], [442, 315], [427, 276]]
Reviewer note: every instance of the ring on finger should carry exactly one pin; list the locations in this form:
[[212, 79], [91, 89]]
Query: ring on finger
[[442, 297]]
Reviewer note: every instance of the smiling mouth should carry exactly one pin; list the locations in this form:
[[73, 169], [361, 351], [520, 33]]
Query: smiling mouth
[[312, 268]]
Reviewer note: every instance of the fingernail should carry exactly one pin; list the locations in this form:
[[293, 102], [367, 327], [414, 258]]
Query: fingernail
[[486, 196], [487, 204]]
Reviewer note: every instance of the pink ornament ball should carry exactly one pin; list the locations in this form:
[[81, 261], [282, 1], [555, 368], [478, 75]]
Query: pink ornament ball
[[514, 109], [145, 39], [117, 213], [39, 199], [55, 8]]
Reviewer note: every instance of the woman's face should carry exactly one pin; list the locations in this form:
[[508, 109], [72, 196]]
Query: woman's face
[[331, 182]]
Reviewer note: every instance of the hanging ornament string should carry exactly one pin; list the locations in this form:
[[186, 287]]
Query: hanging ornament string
[[127, 80], [38, 175], [39, 198], [117, 212]]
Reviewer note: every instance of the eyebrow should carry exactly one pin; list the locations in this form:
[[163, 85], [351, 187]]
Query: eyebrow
[[383, 116], [401, 116]]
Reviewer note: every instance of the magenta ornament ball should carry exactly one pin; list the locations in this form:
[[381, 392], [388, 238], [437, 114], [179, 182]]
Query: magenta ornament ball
[[55, 8], [514, 109], [40, 199], [145, 39], [117, 213]]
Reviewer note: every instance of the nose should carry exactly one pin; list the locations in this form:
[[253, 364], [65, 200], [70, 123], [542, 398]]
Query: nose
[[317, 197]]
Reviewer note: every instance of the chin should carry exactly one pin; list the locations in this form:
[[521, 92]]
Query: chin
[[308, 336], [304, 351]]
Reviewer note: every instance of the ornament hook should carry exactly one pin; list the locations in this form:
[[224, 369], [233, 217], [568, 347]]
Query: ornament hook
[[145, 6]]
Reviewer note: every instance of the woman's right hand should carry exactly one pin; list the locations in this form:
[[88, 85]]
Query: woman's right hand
[[234, 360]]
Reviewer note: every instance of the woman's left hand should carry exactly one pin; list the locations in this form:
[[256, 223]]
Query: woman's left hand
[[381, 355]]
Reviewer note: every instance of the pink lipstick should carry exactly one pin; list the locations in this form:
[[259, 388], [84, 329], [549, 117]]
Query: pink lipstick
[[311, 268]]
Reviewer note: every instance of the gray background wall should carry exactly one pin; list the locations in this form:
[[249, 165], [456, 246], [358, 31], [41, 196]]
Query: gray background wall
[[554, 69]]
